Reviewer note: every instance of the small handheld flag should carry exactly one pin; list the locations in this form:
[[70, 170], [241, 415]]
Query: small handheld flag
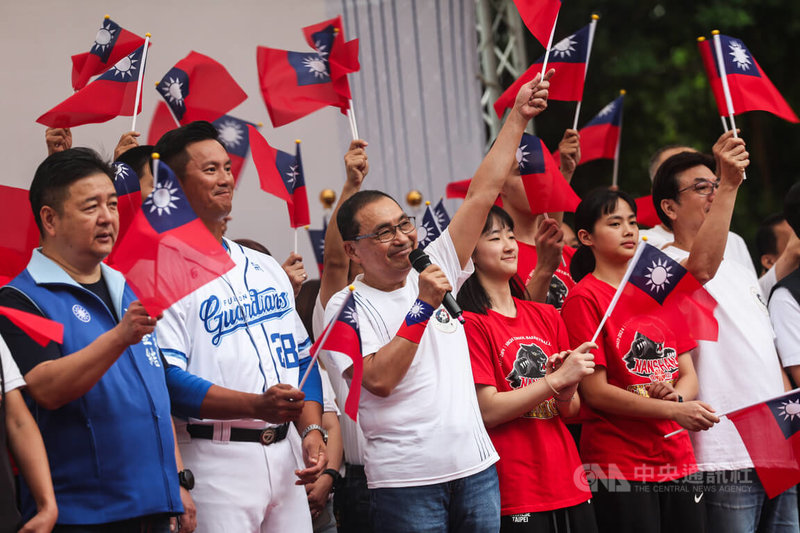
[[16, 246], [111, 43], [234, 136], [545, 187], [428, 231], [600, 136], [40, 329]]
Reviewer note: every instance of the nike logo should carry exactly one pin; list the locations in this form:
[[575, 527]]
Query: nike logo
[[698, 497]]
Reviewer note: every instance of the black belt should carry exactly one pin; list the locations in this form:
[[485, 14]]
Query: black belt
[[264, 436]]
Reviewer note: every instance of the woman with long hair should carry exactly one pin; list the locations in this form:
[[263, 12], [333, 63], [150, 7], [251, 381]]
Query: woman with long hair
[[525, 379], [641, 390]]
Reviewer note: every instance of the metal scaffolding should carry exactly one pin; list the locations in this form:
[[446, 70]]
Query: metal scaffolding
[[502, 55]]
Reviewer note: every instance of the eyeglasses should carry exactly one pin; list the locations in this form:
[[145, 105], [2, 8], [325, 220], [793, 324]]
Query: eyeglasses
[[387, 234], [702, 187]]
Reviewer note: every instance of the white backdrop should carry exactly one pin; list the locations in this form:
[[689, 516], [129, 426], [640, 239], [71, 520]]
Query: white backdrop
[[416, 96]]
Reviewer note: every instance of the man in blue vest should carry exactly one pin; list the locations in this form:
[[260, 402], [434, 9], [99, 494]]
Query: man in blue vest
[[100, 398], [784, 302]]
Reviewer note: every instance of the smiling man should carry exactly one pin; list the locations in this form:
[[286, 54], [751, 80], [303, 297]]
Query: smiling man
[[428, 459], [241, 332], [100, 398], [742, 367]]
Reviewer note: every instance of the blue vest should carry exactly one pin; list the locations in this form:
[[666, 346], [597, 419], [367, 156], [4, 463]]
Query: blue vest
[[111, 452]]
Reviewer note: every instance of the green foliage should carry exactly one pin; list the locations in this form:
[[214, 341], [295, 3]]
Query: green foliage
[[650, 50]]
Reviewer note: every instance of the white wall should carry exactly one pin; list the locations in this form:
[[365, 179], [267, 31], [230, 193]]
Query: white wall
[[39, 36]]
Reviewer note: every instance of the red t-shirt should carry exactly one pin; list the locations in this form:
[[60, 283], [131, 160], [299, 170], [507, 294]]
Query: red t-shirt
[[635, 351], [538, 458], [561, 283]]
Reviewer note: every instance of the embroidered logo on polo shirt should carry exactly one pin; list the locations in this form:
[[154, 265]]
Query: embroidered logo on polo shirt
[[81, 313], [443, 322]]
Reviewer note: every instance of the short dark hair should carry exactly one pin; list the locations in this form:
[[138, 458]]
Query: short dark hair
[[171, 147], [137, 158], [665, 183], [597, 203], [253, 245], [766, 240], [652, 168], [55, 174], [791, 208], [346, 216], [472, 295]]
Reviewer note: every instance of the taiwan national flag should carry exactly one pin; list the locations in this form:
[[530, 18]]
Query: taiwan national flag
[[769, 432], [458, 189], [659, 285], [233, 134], [168, 252], [317, 237], [38, 328], [161, 123], [16, 246], [281, 174], [129, 196], [109, 96], [568, 57], [749, 86], [600, 136], [428, 231], [545, 187], [199, 88], [646, 214], [342, 335], [111, 44], [295, 84], [539, 16], [442, 218]]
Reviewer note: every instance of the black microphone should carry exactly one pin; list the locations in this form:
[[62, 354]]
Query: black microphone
[[420, 261]]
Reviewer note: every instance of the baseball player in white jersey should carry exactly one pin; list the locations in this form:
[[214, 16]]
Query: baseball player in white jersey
[[241, 332]]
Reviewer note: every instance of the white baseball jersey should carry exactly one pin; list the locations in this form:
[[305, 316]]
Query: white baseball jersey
[[239, 331]]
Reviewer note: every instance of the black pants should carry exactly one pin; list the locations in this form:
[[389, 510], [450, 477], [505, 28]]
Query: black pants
[[640, 507], [576, 519], [351, 501], [146, 524]]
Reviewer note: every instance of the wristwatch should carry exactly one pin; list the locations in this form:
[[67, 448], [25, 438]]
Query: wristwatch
[[333, 473], [186, 479], [319, 428]]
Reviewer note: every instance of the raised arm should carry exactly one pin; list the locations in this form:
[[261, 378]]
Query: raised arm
[[709, 243], [569, 153], [467, 223], [336, 264]]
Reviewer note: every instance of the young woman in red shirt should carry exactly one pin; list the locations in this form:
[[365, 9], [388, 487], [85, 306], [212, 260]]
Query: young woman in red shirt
[[525, 379], [641, 390]]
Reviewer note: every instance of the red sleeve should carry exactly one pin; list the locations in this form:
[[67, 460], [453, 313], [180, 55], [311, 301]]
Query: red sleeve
[[582, 318], [481, 351]]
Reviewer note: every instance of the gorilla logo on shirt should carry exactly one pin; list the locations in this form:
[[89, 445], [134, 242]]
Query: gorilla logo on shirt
[[556, 292], [530, 363], [648, 358]]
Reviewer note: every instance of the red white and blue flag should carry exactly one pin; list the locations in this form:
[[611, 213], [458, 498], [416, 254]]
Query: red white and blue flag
[[111, 44], [317, 237], [545, 187], [234, 136], [749, 86], [109, 96], [660, 286], [16, 246], [600, 136], [428, 231], [769, 431], [568, 57], [539, 16], [442, 217], [342, 335], [168, 252], [281, 174], [161, 123], [129, 196], [40, 329], [199, 88], [295, 84]]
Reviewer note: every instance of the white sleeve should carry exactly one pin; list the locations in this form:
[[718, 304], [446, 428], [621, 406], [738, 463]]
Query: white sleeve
[[318, 318], [739, 252], [328, 396], [767, 281], [12, 379], [784, 312], [443, 253], [173, 336]]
